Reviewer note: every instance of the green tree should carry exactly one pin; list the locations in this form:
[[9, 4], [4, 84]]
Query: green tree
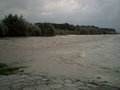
[[47, 29], [3, 30], [17, 26]]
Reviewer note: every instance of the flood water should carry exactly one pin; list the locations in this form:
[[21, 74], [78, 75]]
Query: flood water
[[70, 56]]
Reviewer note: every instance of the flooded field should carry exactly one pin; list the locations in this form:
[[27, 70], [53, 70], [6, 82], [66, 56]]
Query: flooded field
[[70, 56]]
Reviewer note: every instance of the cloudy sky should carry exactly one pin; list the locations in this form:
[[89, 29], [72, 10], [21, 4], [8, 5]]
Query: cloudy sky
[[102, 13]]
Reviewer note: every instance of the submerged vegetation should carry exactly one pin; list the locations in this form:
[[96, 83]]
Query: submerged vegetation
[[8, 70], [14, 25]]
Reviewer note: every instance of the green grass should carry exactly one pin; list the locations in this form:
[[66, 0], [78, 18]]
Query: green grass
[[7, 70]]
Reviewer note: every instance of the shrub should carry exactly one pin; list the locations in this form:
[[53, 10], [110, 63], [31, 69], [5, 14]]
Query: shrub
[[14, 25], [47, 29], [17, 26], [36, 31], [33, 30]]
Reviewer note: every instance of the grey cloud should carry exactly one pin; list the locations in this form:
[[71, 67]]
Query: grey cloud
[[103, 13]]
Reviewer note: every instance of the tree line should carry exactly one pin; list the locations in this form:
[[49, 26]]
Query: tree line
[[14, 25], [84, 30]]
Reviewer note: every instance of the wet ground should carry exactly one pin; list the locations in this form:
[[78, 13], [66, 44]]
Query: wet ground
[[35, 82]]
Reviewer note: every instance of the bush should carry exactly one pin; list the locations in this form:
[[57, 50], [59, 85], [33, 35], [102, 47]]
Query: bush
[[47, 29], [36, 31], [14, 25], [33, 30], [17, 26]]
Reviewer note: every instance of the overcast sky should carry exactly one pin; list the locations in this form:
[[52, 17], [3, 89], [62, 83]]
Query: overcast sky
[[102, 13]]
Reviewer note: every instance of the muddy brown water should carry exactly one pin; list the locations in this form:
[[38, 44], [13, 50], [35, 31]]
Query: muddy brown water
[[70, 56]]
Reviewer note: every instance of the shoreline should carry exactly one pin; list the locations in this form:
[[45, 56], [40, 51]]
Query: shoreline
[[37, 82]]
